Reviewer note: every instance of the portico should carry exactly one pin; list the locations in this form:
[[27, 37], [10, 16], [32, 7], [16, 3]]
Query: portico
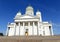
[[27, 25]]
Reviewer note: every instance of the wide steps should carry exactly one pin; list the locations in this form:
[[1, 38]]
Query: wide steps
[[30, 39]]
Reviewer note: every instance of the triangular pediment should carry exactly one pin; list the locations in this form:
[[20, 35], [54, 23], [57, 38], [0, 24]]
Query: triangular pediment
[[27, 16]]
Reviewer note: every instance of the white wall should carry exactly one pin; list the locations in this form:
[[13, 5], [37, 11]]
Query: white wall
[[47, 32], [17, 31], [22, 31], [35, 30], [30, 30], [11, 32]]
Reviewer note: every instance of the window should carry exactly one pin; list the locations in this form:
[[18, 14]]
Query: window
[[43, 32], [49, 26], [8, 27], [26, 30]]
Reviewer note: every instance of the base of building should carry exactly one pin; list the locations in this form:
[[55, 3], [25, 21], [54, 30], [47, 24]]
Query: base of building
[[30, 39]]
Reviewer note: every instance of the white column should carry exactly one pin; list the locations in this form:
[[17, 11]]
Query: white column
[[33, 29], [19, 28], [29, 33]]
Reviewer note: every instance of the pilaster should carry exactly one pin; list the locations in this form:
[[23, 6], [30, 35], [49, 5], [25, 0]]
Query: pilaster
[[51, 30], [38, 29], [14, 29], [7, 32], [19, 28], [24, 27]]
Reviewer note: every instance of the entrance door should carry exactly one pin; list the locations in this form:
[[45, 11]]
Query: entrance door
[[26, 32]]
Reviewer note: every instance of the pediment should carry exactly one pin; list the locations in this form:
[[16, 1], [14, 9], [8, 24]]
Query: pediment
[[27, 16]]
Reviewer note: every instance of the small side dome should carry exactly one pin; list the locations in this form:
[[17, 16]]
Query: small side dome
[[19, 13], [38, 12]]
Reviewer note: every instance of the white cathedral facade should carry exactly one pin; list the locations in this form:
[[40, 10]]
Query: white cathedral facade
[[29, 25]]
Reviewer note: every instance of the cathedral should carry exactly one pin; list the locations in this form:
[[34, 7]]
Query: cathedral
[[29, 24]]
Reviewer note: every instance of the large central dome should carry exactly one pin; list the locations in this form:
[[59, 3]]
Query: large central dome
[[29, 10]]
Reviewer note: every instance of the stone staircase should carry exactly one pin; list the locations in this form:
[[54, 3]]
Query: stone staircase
[[29, 38]]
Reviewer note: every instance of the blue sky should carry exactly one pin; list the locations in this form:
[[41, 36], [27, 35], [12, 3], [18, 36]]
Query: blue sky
[[50, 10]]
